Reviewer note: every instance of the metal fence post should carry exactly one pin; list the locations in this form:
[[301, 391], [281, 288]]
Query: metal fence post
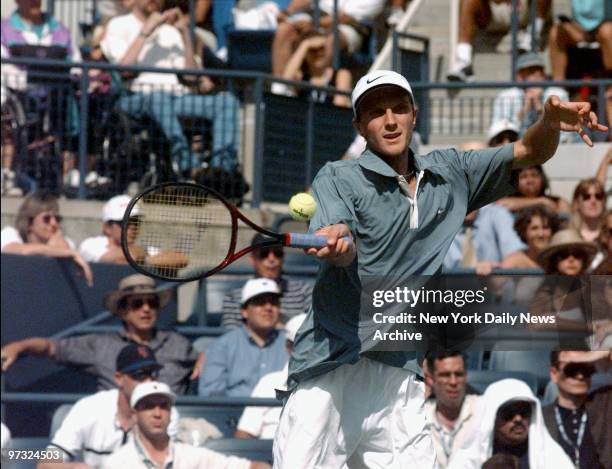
[[535, 40], [259, 141], [336, 56], [83, 114], [515, 26], [309, 141]]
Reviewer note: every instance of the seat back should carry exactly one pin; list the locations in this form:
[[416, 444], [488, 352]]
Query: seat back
[[58, 418], [252, 449], [480, 380]]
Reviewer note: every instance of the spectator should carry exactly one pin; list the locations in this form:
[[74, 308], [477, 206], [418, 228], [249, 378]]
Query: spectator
[[486, 239], [512, 424], [566, 258], [239, 358], [452, 413], [354, 18], [588, 208], [38, 232], [268, 263], [535, 226], [137, 303], [259, 421], [29, 25], [592, 22], [492, 16], [97, 425], [501, 461], [151, 446], [524, 106], [502, 132], [532, 190], [602, 263], [308, 64], [107, 248], [147, 37], [5, 436], [577, 419]]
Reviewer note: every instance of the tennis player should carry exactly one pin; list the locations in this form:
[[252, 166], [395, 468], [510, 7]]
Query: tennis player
[[348, 405]]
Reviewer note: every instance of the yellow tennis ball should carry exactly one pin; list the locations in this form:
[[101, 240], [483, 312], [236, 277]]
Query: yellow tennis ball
[[302, 206]]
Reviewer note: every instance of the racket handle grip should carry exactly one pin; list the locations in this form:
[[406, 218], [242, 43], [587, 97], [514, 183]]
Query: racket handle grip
[[305, 241]]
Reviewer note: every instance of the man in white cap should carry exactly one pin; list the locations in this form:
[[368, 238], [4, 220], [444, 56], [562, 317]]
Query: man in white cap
[[238, 359], [107, 248], [259, 421], [350, 400], [150, 446]]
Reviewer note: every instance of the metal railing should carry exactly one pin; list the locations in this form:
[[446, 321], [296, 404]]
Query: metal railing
[[112, 141]]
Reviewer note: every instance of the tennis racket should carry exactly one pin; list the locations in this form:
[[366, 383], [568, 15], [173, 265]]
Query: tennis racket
[[183, 232]]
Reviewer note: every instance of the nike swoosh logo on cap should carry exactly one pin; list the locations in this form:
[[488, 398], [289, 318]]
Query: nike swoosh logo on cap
[[373, 79]]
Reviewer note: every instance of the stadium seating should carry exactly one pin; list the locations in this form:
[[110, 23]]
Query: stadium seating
[[224, 418], [25, 443], [480, 379], [536, 362], [58, 417], [253, 449]]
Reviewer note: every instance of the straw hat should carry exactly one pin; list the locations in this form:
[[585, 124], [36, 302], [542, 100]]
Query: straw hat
[[135, 285], [565, 239]]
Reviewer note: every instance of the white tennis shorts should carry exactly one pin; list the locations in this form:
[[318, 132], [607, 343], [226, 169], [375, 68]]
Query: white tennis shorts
[[367, 415]]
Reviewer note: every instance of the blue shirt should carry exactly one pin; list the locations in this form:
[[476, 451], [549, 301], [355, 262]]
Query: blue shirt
[[235, 363], [395, 236], [493, 237]]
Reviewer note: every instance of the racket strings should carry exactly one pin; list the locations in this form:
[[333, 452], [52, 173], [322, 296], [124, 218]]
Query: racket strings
[[183, 230]]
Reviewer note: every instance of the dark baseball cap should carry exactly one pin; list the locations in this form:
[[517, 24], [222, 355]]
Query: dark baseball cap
[[134, 357]]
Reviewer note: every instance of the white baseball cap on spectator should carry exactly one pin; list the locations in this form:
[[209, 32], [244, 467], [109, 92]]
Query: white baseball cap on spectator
[[293, 325], [256, 287], [500, 126], [115, 208], [151, 388], [376, 79]]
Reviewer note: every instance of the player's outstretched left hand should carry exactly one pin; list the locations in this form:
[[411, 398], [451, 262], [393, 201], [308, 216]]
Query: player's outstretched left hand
[[572, 117], [338, 251]]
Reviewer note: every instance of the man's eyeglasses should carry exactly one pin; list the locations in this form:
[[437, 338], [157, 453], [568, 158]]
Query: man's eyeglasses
[[47, 217], [573, 369], [139, 301], [588, 196], [509, 411], [141, 375], [262, 253]]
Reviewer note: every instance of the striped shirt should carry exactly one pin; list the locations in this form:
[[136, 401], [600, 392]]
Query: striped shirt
[[296, 298]]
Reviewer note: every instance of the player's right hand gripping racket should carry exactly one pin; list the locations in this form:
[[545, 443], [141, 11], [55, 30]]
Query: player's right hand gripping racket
[[182, 232]]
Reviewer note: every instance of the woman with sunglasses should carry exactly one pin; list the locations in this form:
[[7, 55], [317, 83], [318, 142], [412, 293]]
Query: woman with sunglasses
[[565, 260], [533, 189], [588, 208], [38, 232]]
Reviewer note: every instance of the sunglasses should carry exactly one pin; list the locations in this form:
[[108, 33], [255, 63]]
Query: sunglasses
[[47, 217], [138, 302], [588, 196], [509, 411], [141, 375], [571, 370], [262, 253], [565, 253]]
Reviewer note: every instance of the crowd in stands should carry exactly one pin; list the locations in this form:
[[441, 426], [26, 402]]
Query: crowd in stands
[[132, 421]]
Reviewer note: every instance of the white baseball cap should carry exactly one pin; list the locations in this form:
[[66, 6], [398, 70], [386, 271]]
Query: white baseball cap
[[151, 388], [377, 79], [114, 209], [293, 325], [502, 125], [258, 286]]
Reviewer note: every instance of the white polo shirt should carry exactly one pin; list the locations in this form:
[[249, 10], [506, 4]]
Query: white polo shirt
[[92, 249], [90, 432], [447, 442], [261, 422], [180, 456]]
